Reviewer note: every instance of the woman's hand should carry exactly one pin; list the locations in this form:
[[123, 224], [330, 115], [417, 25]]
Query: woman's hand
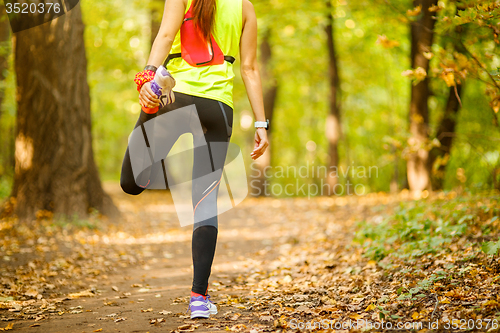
[[261, 143], [147, 97]]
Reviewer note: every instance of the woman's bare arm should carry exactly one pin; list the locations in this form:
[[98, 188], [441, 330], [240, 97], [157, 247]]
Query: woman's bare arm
[[173, 15], [251, 75]]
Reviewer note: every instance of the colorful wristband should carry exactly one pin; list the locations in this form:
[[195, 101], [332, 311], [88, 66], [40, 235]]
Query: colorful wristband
[[142, 77]]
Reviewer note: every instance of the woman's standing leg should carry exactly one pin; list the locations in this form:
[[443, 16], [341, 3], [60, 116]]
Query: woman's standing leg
[[217, 119]]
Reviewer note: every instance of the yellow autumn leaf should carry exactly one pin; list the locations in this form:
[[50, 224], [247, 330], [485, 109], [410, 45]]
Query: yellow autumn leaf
[[408, 73], [445, 301], [450, 293], [420, 74], [415, 315], [435, 8], [8, 327], [415, 11], [496, 107], [491, 302], [428, 55], [85, 293], [98, 330], [386, 42], [370, 307], [355, 316]]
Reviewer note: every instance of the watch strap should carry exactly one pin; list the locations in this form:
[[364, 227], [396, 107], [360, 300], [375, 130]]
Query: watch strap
[[150, 68], [261, 124]]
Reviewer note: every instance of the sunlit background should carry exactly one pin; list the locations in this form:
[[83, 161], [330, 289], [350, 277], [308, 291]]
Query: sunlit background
[[374, 93]]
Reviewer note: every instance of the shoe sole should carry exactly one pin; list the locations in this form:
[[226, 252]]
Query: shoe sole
[[200, 314]]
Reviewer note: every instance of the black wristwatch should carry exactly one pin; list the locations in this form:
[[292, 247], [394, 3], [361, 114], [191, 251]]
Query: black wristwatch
[[150, 68]]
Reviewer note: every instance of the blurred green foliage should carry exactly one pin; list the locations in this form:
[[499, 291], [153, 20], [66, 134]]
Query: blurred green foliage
[[117, 44], [7, 117]]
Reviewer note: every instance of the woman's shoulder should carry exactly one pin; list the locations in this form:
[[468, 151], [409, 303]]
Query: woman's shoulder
[[247, 4], [248, 10]]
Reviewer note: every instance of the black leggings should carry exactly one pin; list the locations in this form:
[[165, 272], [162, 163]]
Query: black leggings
[[216, 122]]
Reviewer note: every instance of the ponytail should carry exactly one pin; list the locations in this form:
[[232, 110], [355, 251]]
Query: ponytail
[[204, 16]]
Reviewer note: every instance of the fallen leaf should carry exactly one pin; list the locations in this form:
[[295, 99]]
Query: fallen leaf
[[370, 307], [8, 327], [237, 328], [355, 316], [235, 316], [187, 327], [165, 312], [85, 293]]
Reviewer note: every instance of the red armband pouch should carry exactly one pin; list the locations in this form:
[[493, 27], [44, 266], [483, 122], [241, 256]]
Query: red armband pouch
[[194, 49]]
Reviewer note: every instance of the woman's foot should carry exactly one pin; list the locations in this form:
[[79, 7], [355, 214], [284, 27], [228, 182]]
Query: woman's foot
[[201, 307]]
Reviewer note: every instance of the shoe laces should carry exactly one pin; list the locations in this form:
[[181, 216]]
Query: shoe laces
[[189, 305]]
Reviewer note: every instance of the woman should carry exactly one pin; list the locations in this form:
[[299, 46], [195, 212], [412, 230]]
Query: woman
[[232, 26]]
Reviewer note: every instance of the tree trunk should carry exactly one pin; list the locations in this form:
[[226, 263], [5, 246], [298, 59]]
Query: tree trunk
[[6, 152], [333, 128], [270, 86], [418, 165], [54, 163], [156, 15], [441, 155], [5, 49]]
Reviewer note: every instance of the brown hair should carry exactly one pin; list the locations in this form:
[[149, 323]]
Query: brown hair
[[204, 16]]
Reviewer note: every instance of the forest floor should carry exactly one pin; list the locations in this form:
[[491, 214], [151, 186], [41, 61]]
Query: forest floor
[[281, 265]]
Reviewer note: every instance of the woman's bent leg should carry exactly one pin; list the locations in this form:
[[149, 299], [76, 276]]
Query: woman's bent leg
[[136, 185], [127, 180]]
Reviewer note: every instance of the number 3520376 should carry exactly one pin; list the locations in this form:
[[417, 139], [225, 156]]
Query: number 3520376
[[33, 8]]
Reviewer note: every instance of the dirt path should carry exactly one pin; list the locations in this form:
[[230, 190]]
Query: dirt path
[[280, 265], [137, 274]]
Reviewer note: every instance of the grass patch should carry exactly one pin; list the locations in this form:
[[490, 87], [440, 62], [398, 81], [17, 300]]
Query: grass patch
[[76, 222], [5, 186], [430, 226]]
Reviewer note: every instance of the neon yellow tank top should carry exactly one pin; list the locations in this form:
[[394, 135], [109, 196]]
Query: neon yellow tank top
[[214, 82]]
